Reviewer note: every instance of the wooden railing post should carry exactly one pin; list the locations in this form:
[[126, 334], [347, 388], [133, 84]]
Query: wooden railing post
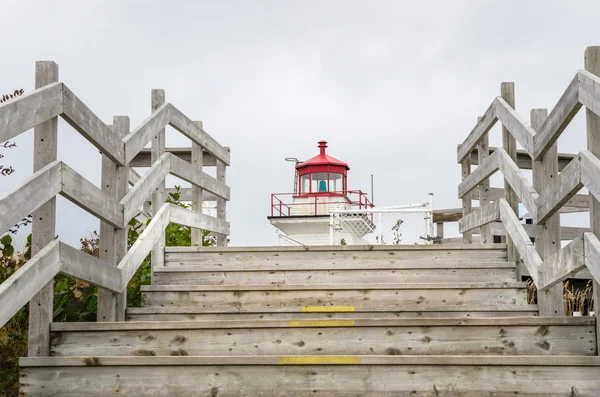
[[592, 64], [221, 202], [197, 162], [113, 242], [547, 240], [43, 220], [466, 201], [483, 152], [510, 145], [158, 196]]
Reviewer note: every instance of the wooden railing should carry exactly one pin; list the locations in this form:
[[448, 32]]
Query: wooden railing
[[546, 262], [113, 203]]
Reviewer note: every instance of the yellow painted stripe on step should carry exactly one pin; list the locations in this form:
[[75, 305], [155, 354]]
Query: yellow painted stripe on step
[[327, 309], [319, 360], [321, 323]]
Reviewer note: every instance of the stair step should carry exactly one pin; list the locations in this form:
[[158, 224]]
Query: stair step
[[302, 376], [445, 336], [411, 273], [270, 296], [174, 313], [330, 257]]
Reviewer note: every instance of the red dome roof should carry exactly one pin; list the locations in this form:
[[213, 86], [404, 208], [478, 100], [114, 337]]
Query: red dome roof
[[322, 159]]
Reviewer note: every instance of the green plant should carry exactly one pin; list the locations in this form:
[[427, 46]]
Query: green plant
[[396, 229]]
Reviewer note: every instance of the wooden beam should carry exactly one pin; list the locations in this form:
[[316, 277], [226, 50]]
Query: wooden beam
[[466, 200], [562, 265], [545, 171], [187, 127], [185, 171], [88, 196], [158, 194], [512, 122], [26, 282], [82, 266], [80, 117], [518, 182], [27, 111], [43, 229], [138, 138], [181, 216], [489, 213], [518, 235], [197, 161], [590, 173], [483, 126], [144, 244], [561, 115], [134, 177], [592, 65], [589, 90], [142, 159], [221, 203], [560, 191], [480, 174], [37, 190], [524, 161], [509, 144], [591, 246], [135, 198], [483, 150]]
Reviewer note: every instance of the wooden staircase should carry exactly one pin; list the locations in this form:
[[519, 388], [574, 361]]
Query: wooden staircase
[[325, 321]]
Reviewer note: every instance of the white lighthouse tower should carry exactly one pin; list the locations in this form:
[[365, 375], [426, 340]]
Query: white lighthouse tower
[[303, 217]]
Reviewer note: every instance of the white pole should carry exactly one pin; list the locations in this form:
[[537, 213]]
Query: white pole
[[379, 228], [430, 231], [331, 242]]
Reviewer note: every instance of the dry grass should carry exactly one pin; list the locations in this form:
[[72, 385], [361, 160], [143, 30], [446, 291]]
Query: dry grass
[[575, 299]]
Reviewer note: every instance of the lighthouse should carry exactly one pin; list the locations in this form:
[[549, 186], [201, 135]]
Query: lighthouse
[[303, 217]]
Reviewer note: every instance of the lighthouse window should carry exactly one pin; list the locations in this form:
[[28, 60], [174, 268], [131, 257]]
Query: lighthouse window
[[305, 184], [335, 183], [319, 182]]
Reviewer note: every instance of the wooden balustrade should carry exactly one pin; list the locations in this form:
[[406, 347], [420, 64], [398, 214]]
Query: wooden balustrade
[[552, 191], [113, 204]]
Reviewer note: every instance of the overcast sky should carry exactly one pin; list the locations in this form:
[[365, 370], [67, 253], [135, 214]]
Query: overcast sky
[[393, 86]]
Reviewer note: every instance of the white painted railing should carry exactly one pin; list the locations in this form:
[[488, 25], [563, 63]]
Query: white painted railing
[[113, 203]]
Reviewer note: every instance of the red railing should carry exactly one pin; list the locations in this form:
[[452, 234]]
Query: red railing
[[282, 204]]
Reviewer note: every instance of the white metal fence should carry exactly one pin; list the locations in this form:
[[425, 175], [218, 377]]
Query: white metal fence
[[408, 224]]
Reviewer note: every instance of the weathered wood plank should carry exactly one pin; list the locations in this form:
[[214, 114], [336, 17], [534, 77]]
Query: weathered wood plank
[[88, 196], [43, 230], [548, 240], [467, 204], [82, 119], [221, 203], [458, 311], [488, 214], [29, 110], [187, 127], [158, 194], [138, 138], [142, 247], [388, 376], [592, 65], [37, 190], [133, 200], [589, 90], [559, 118], [142, 159], [184, 170], [483, 151], [219, 298], [483, 126], [512, 122], [590, 173], [480, 174], [564, 264], [25, 283], [522, 242], [85, 267], [197, 275], [518, 182], [524, 161], [561, 190], [331, 337], [181, 216], [197, 161]]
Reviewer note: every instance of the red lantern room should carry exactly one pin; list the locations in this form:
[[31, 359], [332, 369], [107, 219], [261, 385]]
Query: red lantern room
[[322, 175]]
